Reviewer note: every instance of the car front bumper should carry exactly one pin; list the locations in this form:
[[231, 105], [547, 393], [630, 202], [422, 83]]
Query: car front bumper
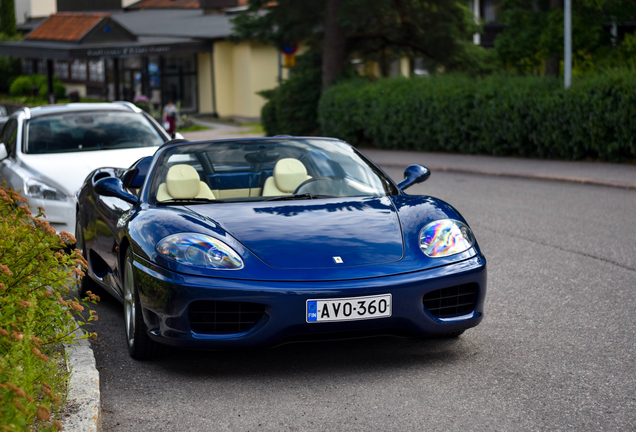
[[166, 296], [60, 214]]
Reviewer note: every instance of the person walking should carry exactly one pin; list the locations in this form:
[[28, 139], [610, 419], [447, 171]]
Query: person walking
[[170, 117]]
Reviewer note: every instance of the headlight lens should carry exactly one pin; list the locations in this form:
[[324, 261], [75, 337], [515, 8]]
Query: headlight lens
[[445, 237], [199, 250], [37, 189]]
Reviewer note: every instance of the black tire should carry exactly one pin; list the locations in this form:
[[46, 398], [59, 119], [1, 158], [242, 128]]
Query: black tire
[[140, 346], [85, 282]]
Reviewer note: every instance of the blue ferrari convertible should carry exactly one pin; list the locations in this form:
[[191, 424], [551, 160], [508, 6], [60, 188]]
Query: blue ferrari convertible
[[262, 241]]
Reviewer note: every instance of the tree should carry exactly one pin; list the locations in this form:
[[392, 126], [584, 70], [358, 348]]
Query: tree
[[7, 17], [372, 30], [335, 43], [533, 39], [553, 63]]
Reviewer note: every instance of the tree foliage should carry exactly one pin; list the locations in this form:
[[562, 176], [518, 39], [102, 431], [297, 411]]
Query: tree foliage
[[7, 17], [534, 32], [379, 30], [9, 66]]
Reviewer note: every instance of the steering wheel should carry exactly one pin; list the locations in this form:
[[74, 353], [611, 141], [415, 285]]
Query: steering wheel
[[319, 186]]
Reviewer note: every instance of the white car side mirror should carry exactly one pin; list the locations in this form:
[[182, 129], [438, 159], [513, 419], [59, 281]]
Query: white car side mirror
[[3, 151]]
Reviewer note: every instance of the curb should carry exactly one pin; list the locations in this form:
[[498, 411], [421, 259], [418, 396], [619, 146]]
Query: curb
[[83, 388]]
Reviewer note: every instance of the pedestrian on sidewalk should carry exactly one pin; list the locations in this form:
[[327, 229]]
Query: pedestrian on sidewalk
[[170, 117]]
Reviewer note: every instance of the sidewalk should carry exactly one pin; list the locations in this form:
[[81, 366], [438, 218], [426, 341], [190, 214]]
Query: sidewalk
[[597, 173], [218, 130]]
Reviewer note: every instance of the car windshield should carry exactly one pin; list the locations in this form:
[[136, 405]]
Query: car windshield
[[268, 169], [85, 131]]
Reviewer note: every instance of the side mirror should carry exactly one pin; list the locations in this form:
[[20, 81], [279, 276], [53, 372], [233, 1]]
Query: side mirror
[[113, 187], [414, 174], [3, 151]]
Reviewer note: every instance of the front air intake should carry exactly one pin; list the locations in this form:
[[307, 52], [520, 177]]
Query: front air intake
[[452, 301], [220, 317]]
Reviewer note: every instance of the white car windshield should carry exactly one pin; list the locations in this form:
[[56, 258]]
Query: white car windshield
[[85, 131], [269, 169]]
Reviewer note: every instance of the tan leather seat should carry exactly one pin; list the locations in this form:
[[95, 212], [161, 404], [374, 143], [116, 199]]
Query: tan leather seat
[[288, 175], [182, 181]]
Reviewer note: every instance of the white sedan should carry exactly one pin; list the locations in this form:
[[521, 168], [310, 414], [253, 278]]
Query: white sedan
[[47, 152]]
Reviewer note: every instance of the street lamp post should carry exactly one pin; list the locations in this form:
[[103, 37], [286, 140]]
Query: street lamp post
[[567, 61]]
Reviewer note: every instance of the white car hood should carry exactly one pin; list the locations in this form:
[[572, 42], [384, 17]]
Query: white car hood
[[67, 171]]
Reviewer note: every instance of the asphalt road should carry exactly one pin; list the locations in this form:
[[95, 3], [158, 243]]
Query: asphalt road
[[556, 350]]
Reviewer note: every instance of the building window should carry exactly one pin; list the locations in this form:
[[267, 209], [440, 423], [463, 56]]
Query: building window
[[78, 70], [27, 67], [41, 67], [490, 10], [179, 81], [96, 71], [61, 70]]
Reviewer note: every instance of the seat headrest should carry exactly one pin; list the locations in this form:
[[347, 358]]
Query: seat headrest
[[289, 173], [183, 181]]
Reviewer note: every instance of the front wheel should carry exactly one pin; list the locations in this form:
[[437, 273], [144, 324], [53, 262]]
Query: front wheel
[[140, 346], [85, 282]]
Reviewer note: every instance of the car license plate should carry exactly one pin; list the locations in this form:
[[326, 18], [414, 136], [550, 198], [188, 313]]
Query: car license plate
[[348, 309]]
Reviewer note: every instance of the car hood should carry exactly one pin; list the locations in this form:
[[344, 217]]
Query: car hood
[[314, 234], [67, 171]]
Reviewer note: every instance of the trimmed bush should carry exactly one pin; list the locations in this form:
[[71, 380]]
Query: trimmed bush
[[24, 85], [292, 107], [499, 115], [36, 315]]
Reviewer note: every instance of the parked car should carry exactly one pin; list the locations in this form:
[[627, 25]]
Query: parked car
[[259, 241], [47, 152], [3, 116]]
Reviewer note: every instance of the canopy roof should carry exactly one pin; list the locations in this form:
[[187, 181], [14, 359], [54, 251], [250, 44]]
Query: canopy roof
[[71, 35]]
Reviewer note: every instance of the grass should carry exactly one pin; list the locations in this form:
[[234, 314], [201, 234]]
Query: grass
[[193, 128], [255, 128], [31, 101]]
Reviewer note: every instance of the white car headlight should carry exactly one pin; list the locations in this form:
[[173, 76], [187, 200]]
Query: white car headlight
[[37, 189], [445, 237], [199, 250]]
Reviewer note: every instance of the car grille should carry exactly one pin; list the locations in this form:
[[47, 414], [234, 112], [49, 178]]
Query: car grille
[[219, 317], [453, 301]]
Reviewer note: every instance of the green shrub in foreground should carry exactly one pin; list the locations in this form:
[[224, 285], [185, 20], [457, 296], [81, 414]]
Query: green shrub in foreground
[[36, 275], [499, 115]]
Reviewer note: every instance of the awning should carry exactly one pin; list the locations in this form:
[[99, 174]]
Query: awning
[[71, 50]]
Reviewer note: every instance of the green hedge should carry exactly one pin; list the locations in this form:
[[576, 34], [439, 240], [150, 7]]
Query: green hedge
[[23, 86], [498, 115]]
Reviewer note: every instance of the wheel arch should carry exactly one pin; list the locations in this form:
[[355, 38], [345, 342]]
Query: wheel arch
[[123, 248]]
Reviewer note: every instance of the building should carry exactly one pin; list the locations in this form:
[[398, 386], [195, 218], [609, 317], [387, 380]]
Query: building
[[155, 50], [487, 13]]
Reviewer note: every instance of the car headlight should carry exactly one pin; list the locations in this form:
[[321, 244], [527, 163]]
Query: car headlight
[[37, 189], [199, 250], [445, 237]]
